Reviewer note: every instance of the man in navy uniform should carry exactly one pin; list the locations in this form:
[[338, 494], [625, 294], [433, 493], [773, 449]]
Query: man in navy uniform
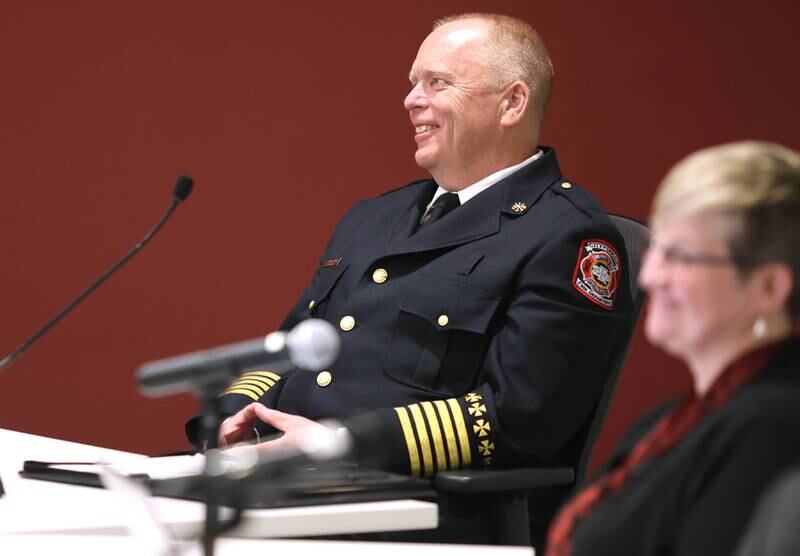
[[479, 309]]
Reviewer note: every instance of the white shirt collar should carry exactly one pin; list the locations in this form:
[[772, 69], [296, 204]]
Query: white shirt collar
[[470, 191]]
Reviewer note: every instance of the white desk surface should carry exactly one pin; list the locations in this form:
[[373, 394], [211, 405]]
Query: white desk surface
[[66, 545], [33, 507]]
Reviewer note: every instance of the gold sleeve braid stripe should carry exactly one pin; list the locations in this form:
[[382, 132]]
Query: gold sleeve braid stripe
[[253, 395], [259, 384], [411, 442], [461, 427], [253, 384], [449, 434], [424, 440], [267, 375], [436, 436]]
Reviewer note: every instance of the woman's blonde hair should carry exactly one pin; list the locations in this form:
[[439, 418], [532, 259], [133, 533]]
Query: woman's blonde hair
[[754, 187]]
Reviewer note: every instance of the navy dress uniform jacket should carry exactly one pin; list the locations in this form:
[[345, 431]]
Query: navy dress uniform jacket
[[482, 339]]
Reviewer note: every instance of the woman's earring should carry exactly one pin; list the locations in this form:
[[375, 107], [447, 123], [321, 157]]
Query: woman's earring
[[760, 327]]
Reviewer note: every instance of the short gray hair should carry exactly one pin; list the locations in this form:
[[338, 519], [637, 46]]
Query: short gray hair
[[515, 52]]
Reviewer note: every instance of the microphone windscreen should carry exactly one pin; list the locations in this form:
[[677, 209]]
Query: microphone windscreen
[[313, 344], [182, 187]]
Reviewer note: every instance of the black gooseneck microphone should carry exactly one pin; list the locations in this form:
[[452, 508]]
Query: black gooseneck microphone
[[182, 189]]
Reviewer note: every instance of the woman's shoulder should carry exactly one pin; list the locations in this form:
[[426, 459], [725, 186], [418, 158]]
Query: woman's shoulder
[[775, 394], [763, 416]]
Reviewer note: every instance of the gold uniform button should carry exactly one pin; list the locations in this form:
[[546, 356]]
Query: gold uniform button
[[324, 378], [347, 323], [443, 320], [380, 276], [311, 304], [566, 185]]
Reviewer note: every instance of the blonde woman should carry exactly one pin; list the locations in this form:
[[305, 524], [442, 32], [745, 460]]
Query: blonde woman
[[722, 279]]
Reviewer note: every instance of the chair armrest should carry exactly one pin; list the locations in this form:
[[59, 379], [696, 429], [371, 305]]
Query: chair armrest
[[485, 480]]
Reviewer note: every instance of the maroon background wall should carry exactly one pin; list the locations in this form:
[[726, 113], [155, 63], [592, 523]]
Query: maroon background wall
[[285, 115]]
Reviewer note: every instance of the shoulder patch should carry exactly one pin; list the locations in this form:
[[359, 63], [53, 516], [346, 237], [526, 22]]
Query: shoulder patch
[[597, 272]]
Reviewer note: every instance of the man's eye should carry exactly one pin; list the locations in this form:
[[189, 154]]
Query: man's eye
[[438, 82]]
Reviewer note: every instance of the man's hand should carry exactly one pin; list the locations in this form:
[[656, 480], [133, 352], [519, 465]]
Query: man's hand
[[239, 427]]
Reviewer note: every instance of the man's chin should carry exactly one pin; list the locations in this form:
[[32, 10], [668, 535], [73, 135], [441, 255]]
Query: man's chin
[[425, 159]]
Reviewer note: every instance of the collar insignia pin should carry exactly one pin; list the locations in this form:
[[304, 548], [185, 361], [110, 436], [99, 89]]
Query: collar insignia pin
[[519, 206]]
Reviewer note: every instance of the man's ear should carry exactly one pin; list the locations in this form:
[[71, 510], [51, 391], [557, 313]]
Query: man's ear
[[514, 103]]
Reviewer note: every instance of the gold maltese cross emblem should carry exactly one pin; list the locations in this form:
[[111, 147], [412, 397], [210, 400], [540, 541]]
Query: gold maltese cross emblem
[[481, 428], [519, 206]]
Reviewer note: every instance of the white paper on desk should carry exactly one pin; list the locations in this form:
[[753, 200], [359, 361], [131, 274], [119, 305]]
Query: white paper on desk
[[165, 467], [169, 467], [148, 534]]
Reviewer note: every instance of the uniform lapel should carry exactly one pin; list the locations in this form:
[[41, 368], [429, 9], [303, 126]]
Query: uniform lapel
[[478, 218], [408, 217], [474, 220], [523, 189]]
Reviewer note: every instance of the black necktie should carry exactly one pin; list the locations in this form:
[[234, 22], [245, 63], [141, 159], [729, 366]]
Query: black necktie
[[443, 204]]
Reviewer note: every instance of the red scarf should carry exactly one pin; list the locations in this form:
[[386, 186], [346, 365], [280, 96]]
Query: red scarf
[[665, 434]]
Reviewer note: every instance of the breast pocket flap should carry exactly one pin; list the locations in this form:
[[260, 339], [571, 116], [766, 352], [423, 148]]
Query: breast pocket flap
[[447, 305]]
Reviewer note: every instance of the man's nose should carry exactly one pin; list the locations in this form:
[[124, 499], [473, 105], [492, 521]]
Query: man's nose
[[415, 98]]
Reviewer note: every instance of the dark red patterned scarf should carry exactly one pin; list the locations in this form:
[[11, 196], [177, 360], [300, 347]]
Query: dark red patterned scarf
[[668, 432]]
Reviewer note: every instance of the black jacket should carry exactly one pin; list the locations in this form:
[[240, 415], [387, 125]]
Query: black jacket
[[481, 339], [697, 498]]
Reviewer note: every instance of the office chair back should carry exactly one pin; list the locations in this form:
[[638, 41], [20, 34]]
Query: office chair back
[[636, 236], [510, 490]]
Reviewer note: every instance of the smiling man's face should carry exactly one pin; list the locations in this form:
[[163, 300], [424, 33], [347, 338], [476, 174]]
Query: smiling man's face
[[454, 107]]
